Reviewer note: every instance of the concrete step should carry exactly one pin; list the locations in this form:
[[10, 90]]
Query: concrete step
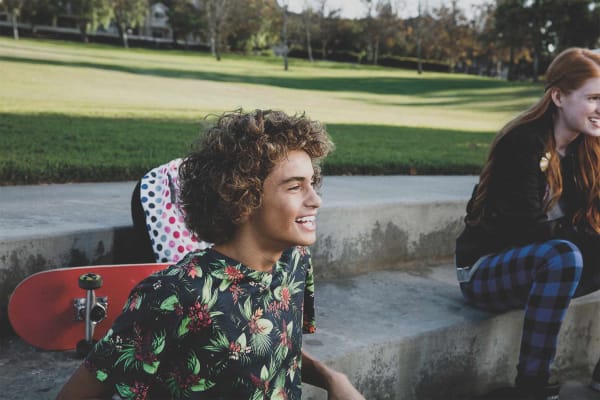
[[409, 335], [404, 334], [365, 224], [389, 311]]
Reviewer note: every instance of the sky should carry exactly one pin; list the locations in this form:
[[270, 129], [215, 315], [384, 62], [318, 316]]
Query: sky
[[407, 8]]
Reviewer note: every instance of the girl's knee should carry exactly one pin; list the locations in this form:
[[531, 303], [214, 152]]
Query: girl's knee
[[564, 255]]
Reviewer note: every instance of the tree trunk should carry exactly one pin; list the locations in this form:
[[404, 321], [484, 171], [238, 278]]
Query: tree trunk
[[536, 65], [284, 39], [308, 45], [15, 26], [511, 64], [122, 34], [83, 31], [218, 45], [213, 50], [376, 52], [419, 63]]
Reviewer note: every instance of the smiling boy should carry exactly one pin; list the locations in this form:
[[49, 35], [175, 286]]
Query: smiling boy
[[227, 322]]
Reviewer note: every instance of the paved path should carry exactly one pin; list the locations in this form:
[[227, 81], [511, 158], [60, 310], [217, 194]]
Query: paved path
[[33, 211]]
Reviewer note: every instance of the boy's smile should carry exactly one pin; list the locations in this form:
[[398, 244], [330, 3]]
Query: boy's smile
[[287, 215]]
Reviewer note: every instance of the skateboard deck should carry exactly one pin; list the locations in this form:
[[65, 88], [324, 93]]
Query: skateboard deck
[[41, 309]]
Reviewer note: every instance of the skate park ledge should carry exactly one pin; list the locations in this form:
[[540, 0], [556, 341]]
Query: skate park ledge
[[389, 311]]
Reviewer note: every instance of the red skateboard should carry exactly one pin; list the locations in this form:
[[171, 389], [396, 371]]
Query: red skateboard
[[69, 308]]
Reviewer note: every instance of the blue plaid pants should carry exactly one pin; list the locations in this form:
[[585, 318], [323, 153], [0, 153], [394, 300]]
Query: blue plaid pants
[[542, 278]]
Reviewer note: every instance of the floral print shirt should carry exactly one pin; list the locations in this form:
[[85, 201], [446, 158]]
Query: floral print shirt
[[211, 328]]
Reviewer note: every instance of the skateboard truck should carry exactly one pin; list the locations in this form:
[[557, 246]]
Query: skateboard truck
[[90, 309]]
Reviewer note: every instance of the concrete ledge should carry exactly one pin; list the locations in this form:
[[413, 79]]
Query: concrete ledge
[[402, 335], [396, 324], [409, 335], [364, 238], [365, 224]]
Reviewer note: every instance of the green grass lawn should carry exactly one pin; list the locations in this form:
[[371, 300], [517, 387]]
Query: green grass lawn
[[71, 112]]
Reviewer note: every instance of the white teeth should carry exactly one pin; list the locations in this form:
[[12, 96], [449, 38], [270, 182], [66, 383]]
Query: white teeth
[[306, 219]]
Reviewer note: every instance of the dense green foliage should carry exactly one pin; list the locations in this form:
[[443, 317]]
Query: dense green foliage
[[515, 39]]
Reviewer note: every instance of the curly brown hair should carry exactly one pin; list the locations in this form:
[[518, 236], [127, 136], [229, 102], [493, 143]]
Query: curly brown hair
[[222, 178]]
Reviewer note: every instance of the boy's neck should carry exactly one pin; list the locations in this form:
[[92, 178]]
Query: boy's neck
[[250, 253]]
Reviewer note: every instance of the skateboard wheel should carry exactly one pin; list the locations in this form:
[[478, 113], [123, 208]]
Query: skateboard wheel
[[90, 281], [97, 313]]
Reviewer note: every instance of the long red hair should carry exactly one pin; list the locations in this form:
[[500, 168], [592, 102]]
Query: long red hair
[[568, 72]]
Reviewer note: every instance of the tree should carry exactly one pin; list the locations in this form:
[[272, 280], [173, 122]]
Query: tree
[[89, 13], [532, 29], [284, 41], [14, 9], [217, 15], [381, 28], [327, 21], [185, 19], [573, 23], [42, 12], [254, 25], [512, 27], [419, 36], [307, 22], [127, 14], [452, 37]]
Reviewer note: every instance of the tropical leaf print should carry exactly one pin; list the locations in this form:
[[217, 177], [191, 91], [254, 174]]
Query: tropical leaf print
[[285, 342], [209, 297], [169, 303], [218, 343], [258, 395], [197, 319], [138, 391], [158, 345], [140, 354], [295, 258], [246, 309], [217, 318], [191, 270], [238, 350], [134, 301], [261, 344], [186, 379], [101, 375], [202, 385], [279, 392]]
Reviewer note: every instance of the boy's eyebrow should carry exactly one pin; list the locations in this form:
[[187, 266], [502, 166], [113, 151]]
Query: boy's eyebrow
[[292, 179]]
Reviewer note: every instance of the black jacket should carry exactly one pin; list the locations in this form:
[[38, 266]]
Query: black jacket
[[516, 199]]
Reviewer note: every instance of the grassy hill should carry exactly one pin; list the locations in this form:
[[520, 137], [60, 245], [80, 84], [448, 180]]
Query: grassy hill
[[73, 112]]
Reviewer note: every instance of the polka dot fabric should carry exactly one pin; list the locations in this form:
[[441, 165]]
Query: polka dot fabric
[[159, 194]]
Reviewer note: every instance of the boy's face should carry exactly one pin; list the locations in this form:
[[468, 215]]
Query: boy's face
[[287, 216]]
